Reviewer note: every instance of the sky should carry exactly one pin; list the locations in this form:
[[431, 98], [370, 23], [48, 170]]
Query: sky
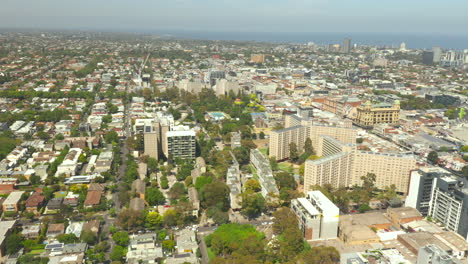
[[357, 16]]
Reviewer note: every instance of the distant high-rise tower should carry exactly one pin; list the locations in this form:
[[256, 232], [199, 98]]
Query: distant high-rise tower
[[427, 57], [403, 46], [437, 54], [346, 45]]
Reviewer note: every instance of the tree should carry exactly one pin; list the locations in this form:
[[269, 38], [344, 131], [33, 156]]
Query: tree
[[284, 218], [13, 243], [67, 238], [154, 220], [215, 194], [308, 148], [121, 238], [117, 254], [261, 135], [285, 180], [129, 219], [252, 185], [177, 191], [433, 157], [253, 204], [368, 182], [112, 137], [152, 165], [168, 245], [88, 236], [321, 255], [154, 196], [229, 237], [293, 152]]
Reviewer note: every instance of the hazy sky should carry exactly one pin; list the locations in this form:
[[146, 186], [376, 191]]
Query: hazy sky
[[407, 16]]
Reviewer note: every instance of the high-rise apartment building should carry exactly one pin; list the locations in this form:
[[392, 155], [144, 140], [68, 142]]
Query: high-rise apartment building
[[318, 217], [151, 141], [420, 188], [346, 45], [369, 115], [180, 143], [449, 204], [427, 57], [442, 196], [281, 139], [437, 54], [342, 165]]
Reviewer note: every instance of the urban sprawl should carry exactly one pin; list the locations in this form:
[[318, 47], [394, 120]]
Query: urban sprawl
[[125, 148]]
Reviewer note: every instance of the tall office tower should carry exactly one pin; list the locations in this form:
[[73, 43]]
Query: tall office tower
[[449, 204], [427, 57], [180, 143], [318, 216], [346, 45], [437, 51], [420, 188], [151, 142]]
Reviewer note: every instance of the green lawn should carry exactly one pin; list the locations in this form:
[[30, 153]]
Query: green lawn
[[60, 194], [264, 151], [37, 251], [285, 166]]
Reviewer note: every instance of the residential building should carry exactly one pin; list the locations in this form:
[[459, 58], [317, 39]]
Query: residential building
[[5, 229], [342, 165], [12, 201], [264, 172], [34, 202], [180, 143], [420, 188], [449, 204], [346, 48], [151, 142], [369, 115], [280, 140], [233, 181], [69, 166], [318, 217], [235, 140], [144, 248]]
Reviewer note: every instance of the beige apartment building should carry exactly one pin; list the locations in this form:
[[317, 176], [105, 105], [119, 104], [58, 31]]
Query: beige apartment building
[[257, 58], [343, 166], [369, 115], [280, 139]]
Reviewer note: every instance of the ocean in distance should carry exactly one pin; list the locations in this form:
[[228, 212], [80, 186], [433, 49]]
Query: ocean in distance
[[413, 41]]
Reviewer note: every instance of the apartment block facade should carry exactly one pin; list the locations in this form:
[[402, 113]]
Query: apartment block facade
[[318, 217], [342, 165]]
